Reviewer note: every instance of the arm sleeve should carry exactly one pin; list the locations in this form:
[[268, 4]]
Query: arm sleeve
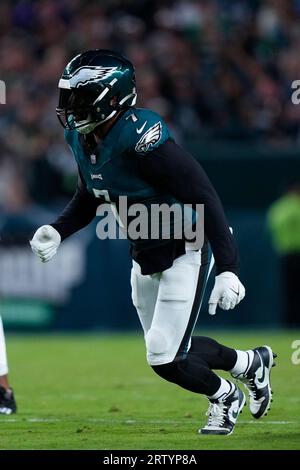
[[175, 170], [78, 213]]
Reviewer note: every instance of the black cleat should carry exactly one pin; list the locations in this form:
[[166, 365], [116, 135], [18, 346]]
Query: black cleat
[[257, 380], [8, 403], [223, 413]]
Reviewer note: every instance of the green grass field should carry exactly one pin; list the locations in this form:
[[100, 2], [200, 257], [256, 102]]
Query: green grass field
[[97, 392]]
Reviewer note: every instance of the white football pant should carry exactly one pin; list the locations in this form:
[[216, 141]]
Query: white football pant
[[3, 357], [168, 304]]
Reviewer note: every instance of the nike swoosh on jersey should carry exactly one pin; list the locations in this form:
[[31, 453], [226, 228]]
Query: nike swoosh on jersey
[[140, 130]]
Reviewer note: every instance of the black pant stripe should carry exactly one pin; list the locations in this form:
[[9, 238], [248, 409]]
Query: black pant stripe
[[206, 255]]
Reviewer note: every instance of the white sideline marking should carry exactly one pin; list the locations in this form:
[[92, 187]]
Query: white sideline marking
[[268, 422], [130, 421]]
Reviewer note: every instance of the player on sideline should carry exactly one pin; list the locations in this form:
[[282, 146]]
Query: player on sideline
[[7, 400], [122, 150]]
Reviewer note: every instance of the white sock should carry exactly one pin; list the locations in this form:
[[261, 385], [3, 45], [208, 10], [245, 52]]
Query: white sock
[[3, 357], [244, 360], [224, 389]]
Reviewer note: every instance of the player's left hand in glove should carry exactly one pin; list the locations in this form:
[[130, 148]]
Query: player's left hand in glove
[[228, 291], [45, 242]]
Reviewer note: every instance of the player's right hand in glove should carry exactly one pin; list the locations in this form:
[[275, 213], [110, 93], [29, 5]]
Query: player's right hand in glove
[[45, 242]]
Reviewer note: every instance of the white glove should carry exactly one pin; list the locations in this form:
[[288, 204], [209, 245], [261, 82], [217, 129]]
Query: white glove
[[45, 242], [228, 291]]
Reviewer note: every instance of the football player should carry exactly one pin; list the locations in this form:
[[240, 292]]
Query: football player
[[7, 400], [122, 150]]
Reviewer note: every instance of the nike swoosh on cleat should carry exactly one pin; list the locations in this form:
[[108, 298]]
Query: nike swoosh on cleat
[[234, 414], [262, 378], [140, 130]]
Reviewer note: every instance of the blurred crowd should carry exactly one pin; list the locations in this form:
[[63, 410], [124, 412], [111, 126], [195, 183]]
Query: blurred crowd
[[215, 69]]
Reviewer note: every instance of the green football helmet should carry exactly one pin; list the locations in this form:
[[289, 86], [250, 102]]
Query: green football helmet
[[94, 86]]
